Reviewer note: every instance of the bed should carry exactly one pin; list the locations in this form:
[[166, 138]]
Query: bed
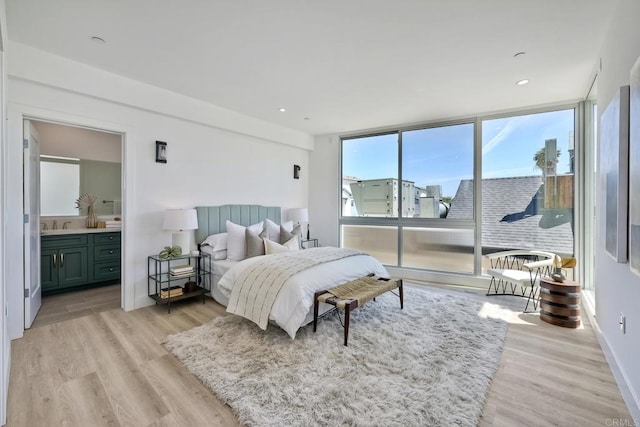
[[293, 301], [212, 220]]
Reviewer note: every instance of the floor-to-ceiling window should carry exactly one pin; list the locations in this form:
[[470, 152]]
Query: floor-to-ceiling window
[[398, 193], [370, 192], [437, 164], [410, 196], [528, 167]]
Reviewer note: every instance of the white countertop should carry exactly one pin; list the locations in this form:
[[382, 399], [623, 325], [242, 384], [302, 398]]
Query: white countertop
[[78, 231]]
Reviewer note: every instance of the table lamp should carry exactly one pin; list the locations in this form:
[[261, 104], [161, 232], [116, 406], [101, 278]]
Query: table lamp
[[179, 220], [299, 216]]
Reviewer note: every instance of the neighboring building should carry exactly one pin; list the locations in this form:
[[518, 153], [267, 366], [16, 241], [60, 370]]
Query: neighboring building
[[514, 215], [380, 197]]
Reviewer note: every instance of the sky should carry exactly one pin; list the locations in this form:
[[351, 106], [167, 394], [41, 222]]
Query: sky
[[444, 155]]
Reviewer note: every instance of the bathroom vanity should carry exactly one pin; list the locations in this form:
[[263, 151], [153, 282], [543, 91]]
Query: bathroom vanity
[[73, 259]]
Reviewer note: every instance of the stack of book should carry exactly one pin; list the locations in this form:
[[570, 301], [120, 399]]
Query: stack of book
[[172, 292], [182, 271], [113, 224]]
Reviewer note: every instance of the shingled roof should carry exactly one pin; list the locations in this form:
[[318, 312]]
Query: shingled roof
[[513, 215]]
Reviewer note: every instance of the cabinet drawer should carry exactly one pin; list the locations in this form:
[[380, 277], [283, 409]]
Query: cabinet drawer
[[54, 242], [104, 238], [103, 271], [106, 253]]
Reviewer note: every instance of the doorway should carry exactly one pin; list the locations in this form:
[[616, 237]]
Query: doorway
[[73, 244]]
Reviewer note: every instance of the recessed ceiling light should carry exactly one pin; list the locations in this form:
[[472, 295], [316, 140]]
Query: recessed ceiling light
[[98, 40], [307, 118], [519, 54], [282, 110], [522, 82]]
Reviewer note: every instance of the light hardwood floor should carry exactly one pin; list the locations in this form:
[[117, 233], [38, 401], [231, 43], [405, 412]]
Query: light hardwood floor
[[71, 305], [109, 368]]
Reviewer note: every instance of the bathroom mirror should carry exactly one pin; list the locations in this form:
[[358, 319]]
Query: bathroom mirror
[[63, 180], [76, 161]]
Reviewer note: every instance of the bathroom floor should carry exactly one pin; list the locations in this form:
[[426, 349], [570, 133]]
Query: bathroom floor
[[71, 305]]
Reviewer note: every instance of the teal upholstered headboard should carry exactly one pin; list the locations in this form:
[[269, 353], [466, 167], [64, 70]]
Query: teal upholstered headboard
[[212, 219]]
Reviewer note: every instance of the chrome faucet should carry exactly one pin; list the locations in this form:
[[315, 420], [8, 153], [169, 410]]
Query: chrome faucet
[[55, 224], [64, 226], [44, 225]]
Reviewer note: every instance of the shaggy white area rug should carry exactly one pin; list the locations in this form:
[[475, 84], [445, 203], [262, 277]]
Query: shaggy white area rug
[[429, 364]]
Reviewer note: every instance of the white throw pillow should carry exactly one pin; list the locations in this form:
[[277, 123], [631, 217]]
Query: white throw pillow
[[287, 225], [217, 242], [271, 247], [273, 229], [236, 240]]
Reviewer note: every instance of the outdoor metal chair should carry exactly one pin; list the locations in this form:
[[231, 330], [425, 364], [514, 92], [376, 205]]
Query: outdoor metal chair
[[519, 268]]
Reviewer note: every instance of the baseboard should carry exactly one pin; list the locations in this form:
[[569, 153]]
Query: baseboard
[[142, 301], [631, 399]]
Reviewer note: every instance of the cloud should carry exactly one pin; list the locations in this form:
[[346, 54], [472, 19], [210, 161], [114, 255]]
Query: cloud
[[512, 125]]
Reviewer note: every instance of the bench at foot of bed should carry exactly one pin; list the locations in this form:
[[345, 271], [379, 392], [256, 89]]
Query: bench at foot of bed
[[354, 294]]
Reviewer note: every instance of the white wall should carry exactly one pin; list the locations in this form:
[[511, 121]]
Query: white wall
[[31, 64], [323, 201], [617, 289], [5, 345], [207, 165]]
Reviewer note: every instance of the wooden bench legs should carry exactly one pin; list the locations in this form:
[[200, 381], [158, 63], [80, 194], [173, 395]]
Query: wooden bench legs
[[347, 311], [316, 303], [349, 306]]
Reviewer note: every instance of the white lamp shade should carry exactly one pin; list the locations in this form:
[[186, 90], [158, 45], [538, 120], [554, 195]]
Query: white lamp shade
[[180, 219], [298, 215]]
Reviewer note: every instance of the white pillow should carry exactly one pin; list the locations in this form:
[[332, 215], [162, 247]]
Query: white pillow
[[236, 240], [273, 229], [215, 255], [271, 247], [217, 242]]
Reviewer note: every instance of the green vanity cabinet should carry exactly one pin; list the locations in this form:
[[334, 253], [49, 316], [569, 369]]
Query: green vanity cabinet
[[105, 257], [49, 268], [71, 261], [64, 261]]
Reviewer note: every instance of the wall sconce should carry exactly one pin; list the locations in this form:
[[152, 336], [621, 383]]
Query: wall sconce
[[161, 152], [296, 172]]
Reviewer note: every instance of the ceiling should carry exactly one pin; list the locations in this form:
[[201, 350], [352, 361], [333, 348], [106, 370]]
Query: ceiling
[[76, 142], [56, 134], [335, 65]]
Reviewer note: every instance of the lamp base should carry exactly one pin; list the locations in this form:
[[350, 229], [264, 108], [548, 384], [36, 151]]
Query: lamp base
[[182, 239]]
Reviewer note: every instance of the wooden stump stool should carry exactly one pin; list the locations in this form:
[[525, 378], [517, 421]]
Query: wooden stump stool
[[560, 302]]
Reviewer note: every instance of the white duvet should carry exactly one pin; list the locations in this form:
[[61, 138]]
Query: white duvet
[[295, 299]]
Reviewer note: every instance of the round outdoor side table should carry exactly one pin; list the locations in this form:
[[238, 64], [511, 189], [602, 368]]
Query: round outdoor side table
[[560, 302]]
